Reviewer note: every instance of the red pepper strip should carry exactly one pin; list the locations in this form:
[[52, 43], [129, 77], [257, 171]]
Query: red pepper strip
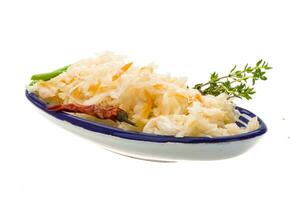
[[108, 112]]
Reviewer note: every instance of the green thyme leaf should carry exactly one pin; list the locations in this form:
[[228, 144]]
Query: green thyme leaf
[[236, 83]]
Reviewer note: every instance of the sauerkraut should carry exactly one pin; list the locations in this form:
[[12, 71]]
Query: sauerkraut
[[157, 103]]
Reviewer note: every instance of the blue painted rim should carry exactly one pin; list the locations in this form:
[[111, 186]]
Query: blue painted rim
[[103, 129]]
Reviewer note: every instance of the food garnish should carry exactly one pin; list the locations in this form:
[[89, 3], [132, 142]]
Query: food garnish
[[48, 76], [101, 112], [236, 83]]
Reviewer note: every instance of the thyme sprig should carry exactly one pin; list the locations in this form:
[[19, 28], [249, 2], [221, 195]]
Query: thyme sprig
[[238, 83]]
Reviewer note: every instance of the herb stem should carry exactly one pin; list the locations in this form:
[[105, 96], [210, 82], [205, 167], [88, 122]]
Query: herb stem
[[237, 81], [207, 83]]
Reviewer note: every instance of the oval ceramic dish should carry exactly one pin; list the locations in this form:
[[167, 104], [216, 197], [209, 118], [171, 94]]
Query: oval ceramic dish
[[157, 147]]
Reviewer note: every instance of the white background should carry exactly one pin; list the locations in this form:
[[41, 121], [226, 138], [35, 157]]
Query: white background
[[39, 160]]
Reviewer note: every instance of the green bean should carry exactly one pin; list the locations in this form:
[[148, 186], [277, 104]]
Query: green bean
[[50, 75]]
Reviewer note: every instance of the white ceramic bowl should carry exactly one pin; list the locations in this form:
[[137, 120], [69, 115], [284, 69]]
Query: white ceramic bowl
[[157, 147]]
